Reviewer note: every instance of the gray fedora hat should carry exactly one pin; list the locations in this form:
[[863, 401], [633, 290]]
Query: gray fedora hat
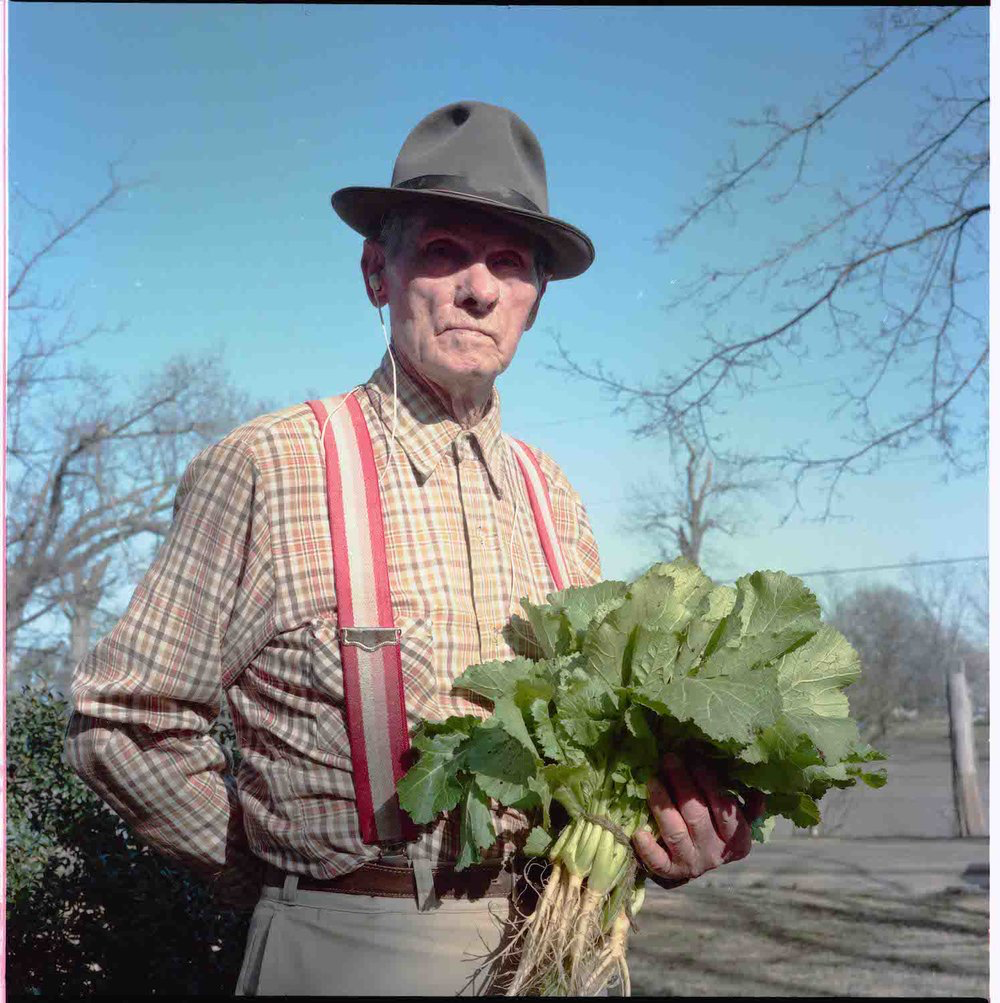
[[479, 155]]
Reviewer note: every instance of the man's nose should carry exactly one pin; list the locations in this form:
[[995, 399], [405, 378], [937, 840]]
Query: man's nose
[[479, 289]]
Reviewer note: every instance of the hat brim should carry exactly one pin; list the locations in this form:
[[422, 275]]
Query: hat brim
[[363, 210]]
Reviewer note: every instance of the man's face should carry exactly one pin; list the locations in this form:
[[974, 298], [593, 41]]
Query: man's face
[[461, 291]]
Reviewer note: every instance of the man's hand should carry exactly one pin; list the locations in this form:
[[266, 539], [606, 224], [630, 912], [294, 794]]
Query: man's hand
[[700, 826]]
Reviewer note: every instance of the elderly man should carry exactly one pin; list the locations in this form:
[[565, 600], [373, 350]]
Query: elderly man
[[402, 496]]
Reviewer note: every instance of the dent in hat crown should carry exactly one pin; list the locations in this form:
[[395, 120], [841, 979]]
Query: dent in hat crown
[[475, 141], [476, 154]]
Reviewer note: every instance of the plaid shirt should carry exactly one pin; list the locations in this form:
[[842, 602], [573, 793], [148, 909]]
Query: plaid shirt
[[240, 600]]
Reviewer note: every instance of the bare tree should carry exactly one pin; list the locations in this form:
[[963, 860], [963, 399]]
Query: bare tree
[[909, 641], [91, 471], [979, 600], [953, 601], [886, 627], [888, 281], [701, 501]]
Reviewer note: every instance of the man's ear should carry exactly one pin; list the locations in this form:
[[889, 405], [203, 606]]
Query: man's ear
[[538, 301], [373, 263]]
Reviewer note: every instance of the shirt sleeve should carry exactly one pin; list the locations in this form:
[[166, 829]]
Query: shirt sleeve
[[146, 697]]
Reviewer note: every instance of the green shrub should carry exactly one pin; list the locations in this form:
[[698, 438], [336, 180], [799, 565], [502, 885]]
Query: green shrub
[[90, 910]]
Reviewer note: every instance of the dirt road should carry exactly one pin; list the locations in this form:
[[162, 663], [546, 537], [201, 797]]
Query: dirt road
[[899, 910], [822, 917]]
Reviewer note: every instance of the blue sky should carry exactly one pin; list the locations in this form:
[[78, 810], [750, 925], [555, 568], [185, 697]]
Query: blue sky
[[243, 119]]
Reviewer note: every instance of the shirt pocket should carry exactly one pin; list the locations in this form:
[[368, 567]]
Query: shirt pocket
[[416, 644]]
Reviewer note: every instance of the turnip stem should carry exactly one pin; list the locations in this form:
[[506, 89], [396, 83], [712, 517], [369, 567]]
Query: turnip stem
[[560, 842], [587, 847]]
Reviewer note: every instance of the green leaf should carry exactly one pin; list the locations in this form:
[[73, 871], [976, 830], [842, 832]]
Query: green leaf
[[586, 708], [814, 675], [538, 842], [637, 724], [638, 747], [761, 828], [800, 808], [587, 605], [654, 653], [604, 647], [427, 731], [746, 675], [495, 679], [431, 786], [571, 786], [772, 614], [731, 708], [874, 779], [500, 763], [705, 629], [539, 787], [543, 728], [509, 714], [784, 763], [661, 602], [811, 680], [521, 636], [864, 753], [540, 685], [551, 627], [668, 595], [631, 780], [476, 829]]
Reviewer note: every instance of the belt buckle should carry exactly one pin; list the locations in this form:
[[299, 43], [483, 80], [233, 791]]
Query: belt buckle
[[395, 849]]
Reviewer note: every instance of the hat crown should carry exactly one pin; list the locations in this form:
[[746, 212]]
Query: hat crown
[[487, 146]]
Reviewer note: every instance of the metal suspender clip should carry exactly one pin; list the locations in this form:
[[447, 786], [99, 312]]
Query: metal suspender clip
[[370, 638]]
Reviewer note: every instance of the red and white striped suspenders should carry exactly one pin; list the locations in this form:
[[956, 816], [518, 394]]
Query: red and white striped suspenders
[[541, 509], [369, 639]]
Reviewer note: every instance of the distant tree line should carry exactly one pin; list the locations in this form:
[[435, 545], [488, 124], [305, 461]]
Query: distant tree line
[[907, 652]]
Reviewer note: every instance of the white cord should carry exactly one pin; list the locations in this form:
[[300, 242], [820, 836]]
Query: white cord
[[322, 431], [395, 395], [395, 405], [392, 450]]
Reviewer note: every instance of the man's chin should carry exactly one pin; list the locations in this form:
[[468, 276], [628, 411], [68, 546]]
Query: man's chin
[[469, 367]]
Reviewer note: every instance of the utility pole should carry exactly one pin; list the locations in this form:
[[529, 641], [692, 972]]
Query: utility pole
[[969, 815]]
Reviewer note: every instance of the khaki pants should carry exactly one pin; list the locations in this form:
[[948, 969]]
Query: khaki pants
[[306, 943]]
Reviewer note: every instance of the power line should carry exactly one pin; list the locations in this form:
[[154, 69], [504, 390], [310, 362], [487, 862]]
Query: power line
[[887, 567]]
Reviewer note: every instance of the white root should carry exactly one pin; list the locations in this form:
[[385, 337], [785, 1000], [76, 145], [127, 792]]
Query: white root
[[587, 934], [574, 942], [610, 957]]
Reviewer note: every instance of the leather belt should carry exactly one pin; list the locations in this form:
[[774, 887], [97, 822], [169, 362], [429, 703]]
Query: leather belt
[[386, 881]]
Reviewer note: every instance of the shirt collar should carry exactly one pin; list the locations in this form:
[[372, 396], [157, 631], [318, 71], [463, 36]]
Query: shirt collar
[[424, 429]]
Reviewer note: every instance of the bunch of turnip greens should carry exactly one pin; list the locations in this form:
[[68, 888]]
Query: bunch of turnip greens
[[745, 675]]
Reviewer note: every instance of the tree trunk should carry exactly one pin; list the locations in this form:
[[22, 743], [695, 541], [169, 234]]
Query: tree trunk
[[87, 589], [969, 812], [81, 626], [16, 602]]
